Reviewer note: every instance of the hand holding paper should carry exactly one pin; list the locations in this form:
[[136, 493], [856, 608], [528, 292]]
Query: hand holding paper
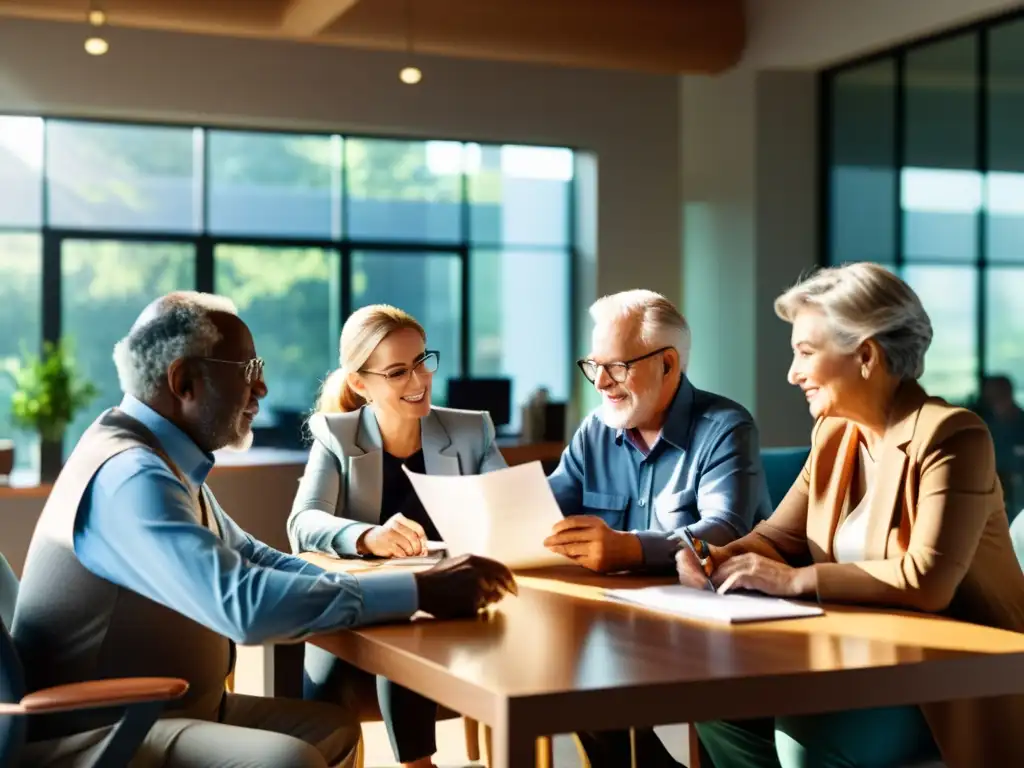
[[592, 543], [504, 515]]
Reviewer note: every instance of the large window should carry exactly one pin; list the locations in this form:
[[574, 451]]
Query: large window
[[925, 175], [98, 219]]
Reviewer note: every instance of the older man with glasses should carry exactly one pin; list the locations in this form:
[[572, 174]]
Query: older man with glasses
[[135, 570], [658, 462]]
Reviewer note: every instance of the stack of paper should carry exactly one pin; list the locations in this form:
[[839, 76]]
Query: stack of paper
[[711, 606], [504, 515]]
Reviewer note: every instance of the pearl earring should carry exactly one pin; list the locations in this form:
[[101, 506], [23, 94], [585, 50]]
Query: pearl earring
[[864, 371]]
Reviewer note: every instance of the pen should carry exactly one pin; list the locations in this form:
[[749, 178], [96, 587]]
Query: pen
[[684, 536]]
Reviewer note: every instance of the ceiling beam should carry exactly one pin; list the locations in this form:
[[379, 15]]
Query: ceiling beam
[[308, 18]]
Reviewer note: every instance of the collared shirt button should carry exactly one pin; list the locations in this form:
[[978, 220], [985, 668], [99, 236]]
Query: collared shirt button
[[642, 502]]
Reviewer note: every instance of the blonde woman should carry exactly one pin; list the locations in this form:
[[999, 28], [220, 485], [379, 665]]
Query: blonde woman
[[897, 506], [373, 416]]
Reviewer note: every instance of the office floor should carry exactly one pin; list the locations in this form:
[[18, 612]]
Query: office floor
[[451, 746]]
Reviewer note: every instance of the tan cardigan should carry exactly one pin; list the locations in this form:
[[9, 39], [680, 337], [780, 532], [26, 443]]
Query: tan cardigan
[[938, 541]]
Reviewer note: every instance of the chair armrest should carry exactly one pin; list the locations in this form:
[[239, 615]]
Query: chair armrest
[[95, 694]]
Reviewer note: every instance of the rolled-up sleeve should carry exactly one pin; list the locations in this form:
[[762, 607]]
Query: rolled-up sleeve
[[730, 488], [138, 531]]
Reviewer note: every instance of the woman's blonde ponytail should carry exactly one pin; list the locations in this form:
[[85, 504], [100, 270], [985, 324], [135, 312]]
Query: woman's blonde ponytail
[[337, 395]]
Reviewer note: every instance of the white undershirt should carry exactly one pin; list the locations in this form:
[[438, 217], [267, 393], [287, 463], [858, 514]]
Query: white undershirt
[[851, 539]]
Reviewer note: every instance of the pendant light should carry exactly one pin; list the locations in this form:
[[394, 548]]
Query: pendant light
[[409, 74], [96, 44]]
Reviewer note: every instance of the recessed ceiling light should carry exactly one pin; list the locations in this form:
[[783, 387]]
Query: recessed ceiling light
[[97, 18], [410, 75], [96, 46]]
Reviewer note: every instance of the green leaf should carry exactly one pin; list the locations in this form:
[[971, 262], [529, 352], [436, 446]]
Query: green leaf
[[49, 391]]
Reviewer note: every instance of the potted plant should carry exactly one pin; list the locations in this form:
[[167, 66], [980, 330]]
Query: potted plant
[[48, 394]]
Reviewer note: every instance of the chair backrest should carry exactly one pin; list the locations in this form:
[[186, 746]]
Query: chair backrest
[[12, 688], [782, 467], [1017, 535], [8, 592]]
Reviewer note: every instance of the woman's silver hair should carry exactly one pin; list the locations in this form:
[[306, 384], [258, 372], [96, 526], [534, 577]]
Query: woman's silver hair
[[661, 324], [864, 301], [176, 326]]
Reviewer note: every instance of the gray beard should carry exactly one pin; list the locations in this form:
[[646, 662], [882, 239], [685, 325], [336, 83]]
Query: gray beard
[[221, 429]]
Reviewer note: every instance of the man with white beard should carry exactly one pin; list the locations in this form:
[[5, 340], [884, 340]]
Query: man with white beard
[[657, 461], [658, 456], [134, 570]]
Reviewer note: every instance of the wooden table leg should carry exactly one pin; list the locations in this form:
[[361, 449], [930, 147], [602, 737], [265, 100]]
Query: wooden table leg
[[511, 749], [694, 746], [545, 752]]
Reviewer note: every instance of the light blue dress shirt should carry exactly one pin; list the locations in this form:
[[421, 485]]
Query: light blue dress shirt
[[703, 473], [136, 528]]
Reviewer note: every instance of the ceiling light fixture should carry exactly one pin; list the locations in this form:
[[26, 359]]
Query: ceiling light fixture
[[96, 44], [410, 74]]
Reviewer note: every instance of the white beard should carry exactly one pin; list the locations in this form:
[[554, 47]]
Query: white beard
[[244, 443], [617, 418]]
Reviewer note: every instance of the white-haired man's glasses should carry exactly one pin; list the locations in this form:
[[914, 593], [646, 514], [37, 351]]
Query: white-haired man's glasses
[[252, 369], [618, 371]]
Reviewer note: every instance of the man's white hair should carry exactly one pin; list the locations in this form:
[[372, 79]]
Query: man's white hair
[[661, 323], [175, 326]]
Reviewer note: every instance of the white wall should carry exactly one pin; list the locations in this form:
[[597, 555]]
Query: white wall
[[748, 154]]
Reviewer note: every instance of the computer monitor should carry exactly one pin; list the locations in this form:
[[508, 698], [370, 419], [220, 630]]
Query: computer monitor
[[491, 395]]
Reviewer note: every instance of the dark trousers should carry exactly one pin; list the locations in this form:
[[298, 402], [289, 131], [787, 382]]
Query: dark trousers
[[611, 749], [410, 719]]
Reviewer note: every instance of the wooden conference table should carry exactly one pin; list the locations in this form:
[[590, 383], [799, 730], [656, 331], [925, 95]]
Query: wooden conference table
[[561, 658]]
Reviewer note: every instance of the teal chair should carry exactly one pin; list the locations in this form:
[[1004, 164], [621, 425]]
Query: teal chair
[[140, 699], [782, 467], [1017, 536]]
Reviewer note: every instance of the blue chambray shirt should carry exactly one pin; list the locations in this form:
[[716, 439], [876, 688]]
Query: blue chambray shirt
[[704, 473], [136, 528]]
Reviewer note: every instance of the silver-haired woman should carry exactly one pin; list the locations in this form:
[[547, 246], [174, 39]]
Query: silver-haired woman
[[897, 506]]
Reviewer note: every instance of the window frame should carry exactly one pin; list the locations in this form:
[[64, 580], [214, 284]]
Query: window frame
[[205, 242], [981, 30]]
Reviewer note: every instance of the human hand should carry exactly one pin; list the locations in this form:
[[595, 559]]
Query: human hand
[[398, 537], [691, 574], [463, 586], [762, 574], [593, 544]]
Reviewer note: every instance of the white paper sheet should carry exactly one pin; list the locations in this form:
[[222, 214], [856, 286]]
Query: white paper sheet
[[504, 515], [711, 606]]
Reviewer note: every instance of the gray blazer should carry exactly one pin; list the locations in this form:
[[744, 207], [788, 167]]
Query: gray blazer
[[340, 492]]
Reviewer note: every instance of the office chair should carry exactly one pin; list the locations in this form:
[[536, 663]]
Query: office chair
[[781, 468], [141, 698]]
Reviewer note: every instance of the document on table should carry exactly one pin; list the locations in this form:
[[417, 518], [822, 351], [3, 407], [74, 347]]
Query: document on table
[[702, 604], [504, 515]]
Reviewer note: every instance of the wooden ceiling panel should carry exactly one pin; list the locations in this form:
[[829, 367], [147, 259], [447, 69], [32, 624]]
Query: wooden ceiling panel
[[668, 36], [648, 35], [306, 18]]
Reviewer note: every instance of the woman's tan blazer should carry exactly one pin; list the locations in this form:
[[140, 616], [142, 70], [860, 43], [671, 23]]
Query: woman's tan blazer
[[938, 541]]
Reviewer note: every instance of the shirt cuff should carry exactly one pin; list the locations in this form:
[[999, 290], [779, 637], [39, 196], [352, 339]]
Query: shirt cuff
[[344, 542], [714, 530], [659, 550], [388, 597]]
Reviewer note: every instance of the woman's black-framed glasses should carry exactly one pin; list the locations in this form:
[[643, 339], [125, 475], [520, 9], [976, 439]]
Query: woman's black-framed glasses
[[618, 371], [425, 363], [252, 369]]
